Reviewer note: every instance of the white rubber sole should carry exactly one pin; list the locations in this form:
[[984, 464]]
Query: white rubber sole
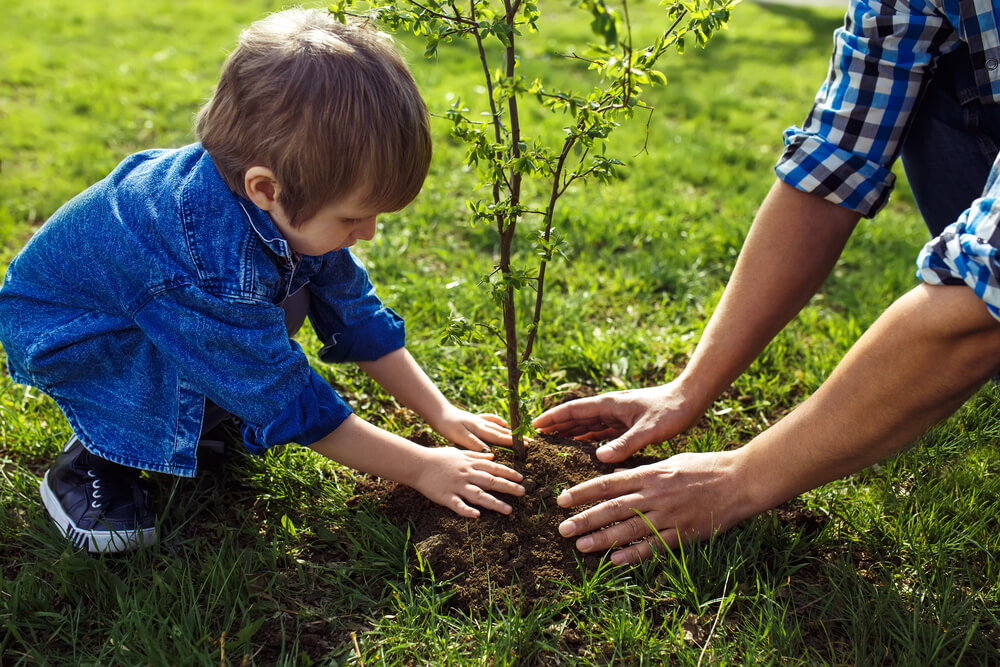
[[94, 541]]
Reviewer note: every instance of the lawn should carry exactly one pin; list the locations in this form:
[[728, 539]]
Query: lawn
[[271, 560]]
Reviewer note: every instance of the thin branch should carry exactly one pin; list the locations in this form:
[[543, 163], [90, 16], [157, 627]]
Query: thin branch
[[493, 331], [575, 175], [494, 114], [680, 17], [645, 140], [457, 18], [627, 48], [550, 216]]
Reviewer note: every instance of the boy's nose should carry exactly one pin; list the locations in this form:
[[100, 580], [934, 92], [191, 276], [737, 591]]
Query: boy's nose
[[365, 230]]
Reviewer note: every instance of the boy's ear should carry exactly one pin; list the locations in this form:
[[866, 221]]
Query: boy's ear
[[262, 187]]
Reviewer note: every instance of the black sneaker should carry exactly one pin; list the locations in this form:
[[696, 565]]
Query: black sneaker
[[100, 506]]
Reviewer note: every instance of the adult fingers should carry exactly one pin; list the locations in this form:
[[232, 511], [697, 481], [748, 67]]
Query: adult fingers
[[573, 412], [618, 535], [569, 430], [599, 488], [624, 446], [604, 516], [633, 553], [603, 433], [568, 426]]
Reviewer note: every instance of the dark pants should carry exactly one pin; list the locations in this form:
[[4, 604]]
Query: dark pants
[[951, 143]]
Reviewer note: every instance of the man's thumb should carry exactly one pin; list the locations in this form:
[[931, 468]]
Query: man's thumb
[[618, 449]]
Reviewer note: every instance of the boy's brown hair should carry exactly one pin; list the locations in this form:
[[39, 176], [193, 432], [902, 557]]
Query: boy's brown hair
[[330, 108]]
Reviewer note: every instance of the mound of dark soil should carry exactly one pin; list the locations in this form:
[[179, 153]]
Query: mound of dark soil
[[520, 555]]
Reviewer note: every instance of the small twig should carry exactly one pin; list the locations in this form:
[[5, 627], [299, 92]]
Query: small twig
[[645, 141], [494, 331], [357, 649]]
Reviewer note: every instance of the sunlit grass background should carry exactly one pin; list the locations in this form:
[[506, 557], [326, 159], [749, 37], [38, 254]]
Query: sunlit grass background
[[262, 562]]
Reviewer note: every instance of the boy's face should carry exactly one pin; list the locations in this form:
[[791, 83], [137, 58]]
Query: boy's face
[[338, 224]]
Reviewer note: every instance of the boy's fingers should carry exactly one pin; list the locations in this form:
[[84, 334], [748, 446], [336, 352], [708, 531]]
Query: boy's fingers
[[489, 482], [477, 495], [476, 445], [458, 506], [496, 419], [500, 471], [479, 455], [496, 435]]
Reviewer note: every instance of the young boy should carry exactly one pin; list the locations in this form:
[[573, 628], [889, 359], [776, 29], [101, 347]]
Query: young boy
[[163, 297]]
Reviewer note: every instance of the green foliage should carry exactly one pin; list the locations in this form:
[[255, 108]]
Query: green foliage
[[514, 166]]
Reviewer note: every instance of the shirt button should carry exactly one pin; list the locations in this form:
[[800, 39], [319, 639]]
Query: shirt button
[[992, 63]]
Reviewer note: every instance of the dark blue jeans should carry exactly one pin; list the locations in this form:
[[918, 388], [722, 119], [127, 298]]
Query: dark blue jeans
[[951, 143]]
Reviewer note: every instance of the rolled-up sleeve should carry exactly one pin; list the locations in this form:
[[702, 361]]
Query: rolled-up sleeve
[[239, 356], [854, 131], [966, 251], [311, 416], [347, 315]]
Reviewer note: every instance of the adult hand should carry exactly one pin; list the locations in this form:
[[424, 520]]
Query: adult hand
[[689, 496], [632, 418], [472, 431], [457, 480]]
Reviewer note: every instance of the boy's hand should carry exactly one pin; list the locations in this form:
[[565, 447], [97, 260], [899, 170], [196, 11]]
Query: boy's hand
[[457, 480], [470, 431]]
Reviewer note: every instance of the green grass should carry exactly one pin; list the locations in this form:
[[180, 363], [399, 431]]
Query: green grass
[[264, 562]]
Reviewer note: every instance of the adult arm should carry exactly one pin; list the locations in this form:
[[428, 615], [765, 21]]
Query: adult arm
[[842, 156], [791, 248], [917, 364]]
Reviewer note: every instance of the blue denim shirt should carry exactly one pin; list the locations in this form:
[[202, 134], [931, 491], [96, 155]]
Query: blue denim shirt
[[158, 287]]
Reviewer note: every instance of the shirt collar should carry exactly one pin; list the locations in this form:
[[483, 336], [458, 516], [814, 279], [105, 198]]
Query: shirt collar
[[266, 230]]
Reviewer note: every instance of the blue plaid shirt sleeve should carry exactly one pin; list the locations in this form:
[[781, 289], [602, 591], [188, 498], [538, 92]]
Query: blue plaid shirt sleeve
[[848, 142], [966, 252]]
